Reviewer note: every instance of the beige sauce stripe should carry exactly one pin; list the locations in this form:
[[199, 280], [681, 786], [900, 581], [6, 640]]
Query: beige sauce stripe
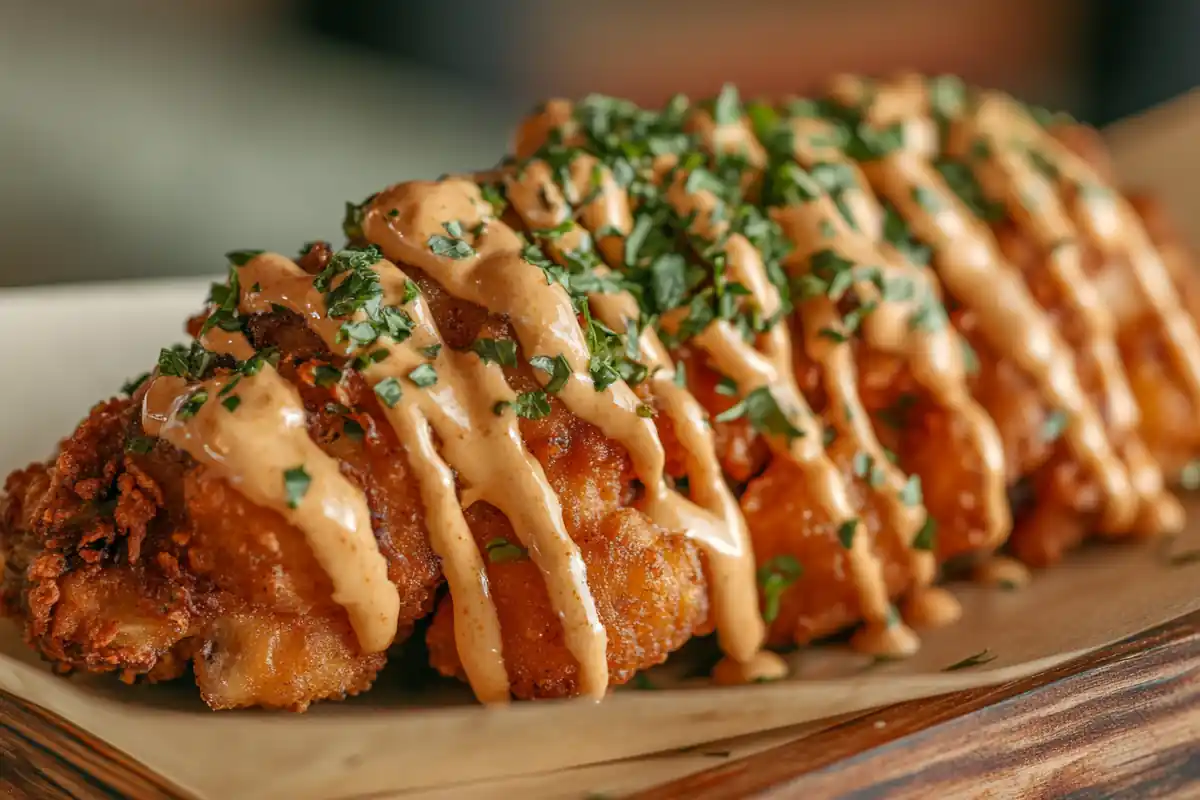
[[933, 353], [401, 220], [542, 206], [770, 369], [1114, 225], [837, 363], [1008, 174], [484, 447], [971, 267], [251, 448]]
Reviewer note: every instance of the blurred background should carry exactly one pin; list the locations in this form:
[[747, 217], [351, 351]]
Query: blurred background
[[145, 138]]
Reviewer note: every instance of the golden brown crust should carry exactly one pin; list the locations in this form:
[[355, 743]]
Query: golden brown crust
[[141, 562]]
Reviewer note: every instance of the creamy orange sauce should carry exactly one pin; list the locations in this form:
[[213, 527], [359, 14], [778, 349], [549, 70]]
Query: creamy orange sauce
[[251, 448], [457, 441], [933, 353], [1036, 202], [448, 407], [722, 531], [765, 364], [770, 366], [968, 260]]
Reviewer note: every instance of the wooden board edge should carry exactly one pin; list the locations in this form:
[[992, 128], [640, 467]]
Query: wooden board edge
[[908, 749], [1144, 688], [43, 755]]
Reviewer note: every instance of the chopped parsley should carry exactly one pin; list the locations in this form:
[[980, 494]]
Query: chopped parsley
[[961, 180], [193, 404], [431, 351], [352, 220], [727, 387], [727, 109], [911, 494], [496, 351], [451, 246], [532, 405], [224, 299], [325, 375], [897, 233], [947, 97], [423, 375], [389, 391], [668, 281], [254, 364], [240, 258], [231, 402], [1189, 478], [865, 467], [895, 416], [364, 360], [133, 384], [411, 290], [493, 193], [353, 429], [982, 657], [1043, 165], [502, 551], [295, 485], [557, 368], [970, 359], [764, 414], [189, 363], [845, 533], [926, 198], [926, 537], [1055, 423], [774, 578]]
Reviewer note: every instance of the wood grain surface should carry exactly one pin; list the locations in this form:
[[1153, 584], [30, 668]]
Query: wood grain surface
[[1124, 721]]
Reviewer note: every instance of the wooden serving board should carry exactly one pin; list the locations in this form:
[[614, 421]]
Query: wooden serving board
[[1124, 720]]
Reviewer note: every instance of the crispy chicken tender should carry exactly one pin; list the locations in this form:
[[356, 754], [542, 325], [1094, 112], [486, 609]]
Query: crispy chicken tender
[[649, 585], [122, 554]]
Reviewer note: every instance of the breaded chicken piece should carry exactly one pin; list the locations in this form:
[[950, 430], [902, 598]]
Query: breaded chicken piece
[[123, 554]]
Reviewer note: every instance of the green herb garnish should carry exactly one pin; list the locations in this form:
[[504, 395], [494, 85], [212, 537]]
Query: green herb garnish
[[423, 375], [846, 531], [451, 246], [926, 537], [557, 368], [1054, 425], [295, 485], [982, 657], [502, 551], [532, 405], [496, 351], [389, 391], [763, 413], [774, 578]]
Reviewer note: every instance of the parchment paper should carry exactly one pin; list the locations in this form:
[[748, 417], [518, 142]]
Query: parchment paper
[[391, 739]]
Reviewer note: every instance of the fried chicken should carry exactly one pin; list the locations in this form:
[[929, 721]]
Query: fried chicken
[[753, 368]]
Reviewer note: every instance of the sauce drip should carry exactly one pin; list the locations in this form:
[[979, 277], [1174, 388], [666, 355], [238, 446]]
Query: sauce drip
[[767, 364], [721, 532], [933, 353], [252, 448], [1056, 199], [968, 260], [1019, 156], [448, 406]]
